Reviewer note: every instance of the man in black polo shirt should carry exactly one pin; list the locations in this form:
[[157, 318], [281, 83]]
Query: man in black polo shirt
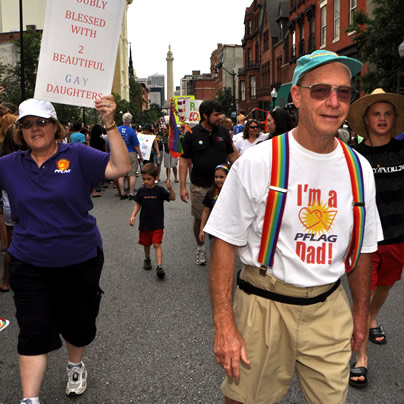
[[207, 146]]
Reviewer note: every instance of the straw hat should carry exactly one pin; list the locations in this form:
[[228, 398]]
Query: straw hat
[[356, 116]]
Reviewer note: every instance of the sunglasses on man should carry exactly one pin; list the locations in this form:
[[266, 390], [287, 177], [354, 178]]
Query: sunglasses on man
[[322, 91]]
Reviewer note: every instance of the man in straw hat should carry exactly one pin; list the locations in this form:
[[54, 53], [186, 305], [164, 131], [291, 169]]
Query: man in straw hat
[[292, 314], [379, 117]]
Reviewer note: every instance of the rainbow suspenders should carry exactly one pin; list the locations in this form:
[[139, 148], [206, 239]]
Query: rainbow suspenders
[[277, 199]]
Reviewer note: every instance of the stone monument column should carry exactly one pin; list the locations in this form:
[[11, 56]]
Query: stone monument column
[[170, 74]]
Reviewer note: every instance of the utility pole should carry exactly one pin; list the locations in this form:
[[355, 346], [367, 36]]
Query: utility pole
[[22, 54]]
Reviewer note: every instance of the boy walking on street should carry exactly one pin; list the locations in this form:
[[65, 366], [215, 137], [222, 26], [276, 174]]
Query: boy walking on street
[[149, 201]]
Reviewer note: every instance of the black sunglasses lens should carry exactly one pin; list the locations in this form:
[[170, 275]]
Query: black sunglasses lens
[[39, 122]]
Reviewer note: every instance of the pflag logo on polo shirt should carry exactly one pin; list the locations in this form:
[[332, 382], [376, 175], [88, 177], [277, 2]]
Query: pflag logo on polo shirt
[[62, 166]]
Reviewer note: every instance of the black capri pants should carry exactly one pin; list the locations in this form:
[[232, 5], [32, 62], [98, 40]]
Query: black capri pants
[[56, 301]]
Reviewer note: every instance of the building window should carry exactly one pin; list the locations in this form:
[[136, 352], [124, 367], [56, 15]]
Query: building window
[[266, 40], [352, 8], [323, 26], [337, 20], [250, 27], [301, 42], [253, 88], [242, 90], [311, 44], [293, 50], [265, 74], [249, 53]]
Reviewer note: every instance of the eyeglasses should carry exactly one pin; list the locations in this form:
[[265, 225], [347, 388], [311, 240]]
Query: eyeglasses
[[40, 122], [322, 91], [254, 127]]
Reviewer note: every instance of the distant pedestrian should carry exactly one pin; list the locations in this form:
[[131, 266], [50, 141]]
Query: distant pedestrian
[[147, 130], [77, 136], [207, 146], [150, 202], [158, 158], [169, 161], [279, 122], [132, 143], [240, 124], [251, 136], [211, 196]]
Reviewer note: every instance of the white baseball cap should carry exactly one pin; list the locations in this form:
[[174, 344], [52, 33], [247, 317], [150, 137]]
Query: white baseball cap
[[43, 109]]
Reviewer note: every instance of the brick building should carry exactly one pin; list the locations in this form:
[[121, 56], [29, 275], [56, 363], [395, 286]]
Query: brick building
[[202, 86], [277, 33]]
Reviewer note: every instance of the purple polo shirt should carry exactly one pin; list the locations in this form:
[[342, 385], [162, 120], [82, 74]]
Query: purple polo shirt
[[50, 204]]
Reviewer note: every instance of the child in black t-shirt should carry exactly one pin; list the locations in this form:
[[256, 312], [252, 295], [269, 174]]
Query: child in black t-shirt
[[211, 196], [149, 201]]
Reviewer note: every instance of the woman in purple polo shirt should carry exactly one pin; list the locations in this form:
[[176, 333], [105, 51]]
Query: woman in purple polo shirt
[[56, 250]]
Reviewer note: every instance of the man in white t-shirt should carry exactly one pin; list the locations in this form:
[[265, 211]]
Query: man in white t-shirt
[[280, 327]]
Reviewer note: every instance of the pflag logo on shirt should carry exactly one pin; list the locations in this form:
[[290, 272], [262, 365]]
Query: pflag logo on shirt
[[62, 166]]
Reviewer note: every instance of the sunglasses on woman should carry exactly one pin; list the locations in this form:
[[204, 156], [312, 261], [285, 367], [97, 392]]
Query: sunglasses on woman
[[322, 91], [40, 122], [254, 127]]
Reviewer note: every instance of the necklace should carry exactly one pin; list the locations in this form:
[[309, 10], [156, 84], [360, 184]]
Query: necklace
[[379, 156]]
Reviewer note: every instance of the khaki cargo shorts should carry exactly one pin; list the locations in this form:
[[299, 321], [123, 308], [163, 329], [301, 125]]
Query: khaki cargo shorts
[[281, 339]]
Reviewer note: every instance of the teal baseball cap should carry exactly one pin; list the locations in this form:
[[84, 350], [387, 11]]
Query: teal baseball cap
[[321, 57]]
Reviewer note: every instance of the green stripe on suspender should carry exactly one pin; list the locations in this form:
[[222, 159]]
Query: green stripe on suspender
[[277, 199]]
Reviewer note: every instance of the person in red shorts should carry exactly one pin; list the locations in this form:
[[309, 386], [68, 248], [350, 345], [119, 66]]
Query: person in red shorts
[[379, 117], [150, 202]]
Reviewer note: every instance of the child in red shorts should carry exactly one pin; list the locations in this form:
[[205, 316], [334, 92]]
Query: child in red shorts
[[149, 201]]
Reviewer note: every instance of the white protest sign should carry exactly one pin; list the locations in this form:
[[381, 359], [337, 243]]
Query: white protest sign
[[192, 111], [146, 144], [78, 50]]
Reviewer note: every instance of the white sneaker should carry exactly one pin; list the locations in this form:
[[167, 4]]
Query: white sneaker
[[76, 380], [200, 256]]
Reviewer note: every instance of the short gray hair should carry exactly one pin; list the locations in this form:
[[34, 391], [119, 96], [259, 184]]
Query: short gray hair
[[127, 117]]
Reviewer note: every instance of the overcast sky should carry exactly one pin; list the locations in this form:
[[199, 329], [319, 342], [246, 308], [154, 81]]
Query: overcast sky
[[192, 28]]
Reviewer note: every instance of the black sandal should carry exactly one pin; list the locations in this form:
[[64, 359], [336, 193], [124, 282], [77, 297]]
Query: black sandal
[[357, 372], [377, 332]]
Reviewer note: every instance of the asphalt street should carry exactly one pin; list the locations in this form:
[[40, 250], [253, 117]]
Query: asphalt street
[[155, 338]]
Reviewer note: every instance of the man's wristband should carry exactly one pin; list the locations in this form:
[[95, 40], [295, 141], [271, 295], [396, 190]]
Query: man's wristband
[[113, 126]]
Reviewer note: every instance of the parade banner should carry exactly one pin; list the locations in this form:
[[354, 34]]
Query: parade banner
[[78, 50], [192, 111], [146, 144], [179, 105]]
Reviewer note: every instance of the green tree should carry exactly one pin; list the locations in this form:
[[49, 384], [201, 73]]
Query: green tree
[[226, 100], [377, 38], [153, 114]]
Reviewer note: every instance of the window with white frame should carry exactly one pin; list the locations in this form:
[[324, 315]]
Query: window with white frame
[[293, 54], [323, 25], [353, 4], [337, 20], [242, 90], [253, 88]]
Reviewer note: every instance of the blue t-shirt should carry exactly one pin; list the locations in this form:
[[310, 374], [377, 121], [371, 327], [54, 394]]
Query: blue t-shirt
[[77, 137], [129, 137], [50, 204], [238, 129]]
